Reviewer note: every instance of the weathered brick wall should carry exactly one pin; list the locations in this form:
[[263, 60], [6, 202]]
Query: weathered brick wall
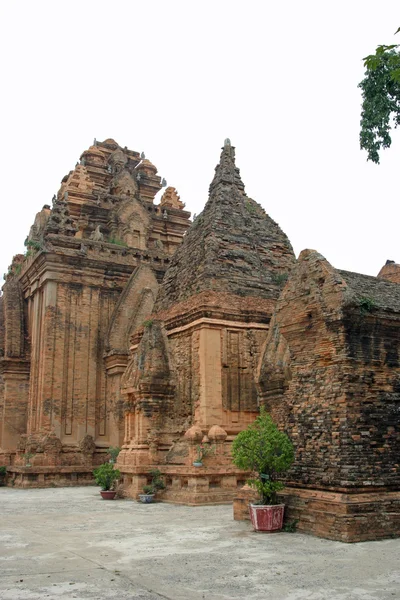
[[14, 366], [330, 375], [370, 444], [14, 318], [69, 322], [183, 350]]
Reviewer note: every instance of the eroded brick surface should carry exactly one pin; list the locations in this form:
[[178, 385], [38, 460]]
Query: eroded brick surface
[[330, 377]]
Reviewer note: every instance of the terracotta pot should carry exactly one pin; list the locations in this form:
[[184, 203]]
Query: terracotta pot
[[197, 463], [146, 498], [108, 494], [267, 518]]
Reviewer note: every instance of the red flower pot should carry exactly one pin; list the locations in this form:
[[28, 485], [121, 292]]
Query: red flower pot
[[267, 518], [108, 494]]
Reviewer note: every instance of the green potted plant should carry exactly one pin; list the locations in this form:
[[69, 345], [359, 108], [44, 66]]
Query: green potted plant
[[150, 490], [106, 476], [267, 453], [202, 450]]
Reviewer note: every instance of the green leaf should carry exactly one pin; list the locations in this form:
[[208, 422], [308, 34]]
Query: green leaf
[[381, 100]]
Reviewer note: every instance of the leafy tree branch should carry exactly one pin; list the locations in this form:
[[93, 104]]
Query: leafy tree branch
[[381, 99]]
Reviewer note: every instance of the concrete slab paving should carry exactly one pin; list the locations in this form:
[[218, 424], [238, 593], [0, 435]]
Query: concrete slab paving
[[69, 543]]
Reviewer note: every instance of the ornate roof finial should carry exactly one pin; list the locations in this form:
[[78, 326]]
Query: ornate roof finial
[[226, 172]]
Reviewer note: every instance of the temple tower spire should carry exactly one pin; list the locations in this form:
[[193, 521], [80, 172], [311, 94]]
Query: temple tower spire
[[226, 172]]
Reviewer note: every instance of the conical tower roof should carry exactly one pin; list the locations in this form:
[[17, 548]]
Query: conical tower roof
[[233, 246]]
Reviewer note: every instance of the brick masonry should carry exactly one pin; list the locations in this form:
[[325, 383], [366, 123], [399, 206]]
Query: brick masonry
[[330, 376], [192, 372], [89, 278]]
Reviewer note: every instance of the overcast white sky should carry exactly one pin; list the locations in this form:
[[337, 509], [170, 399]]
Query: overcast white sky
[[174, 79]]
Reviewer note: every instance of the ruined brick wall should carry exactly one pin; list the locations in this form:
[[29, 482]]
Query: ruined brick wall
[[329, 376]]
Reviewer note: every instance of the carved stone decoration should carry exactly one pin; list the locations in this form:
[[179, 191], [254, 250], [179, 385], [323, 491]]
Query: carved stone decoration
[[51, 444], [78, 181], [170, 199], [93, 157], [194, 435], [96, 235], [59, 221], [124, 184], [217, 434], [87, 445], [118, 160]]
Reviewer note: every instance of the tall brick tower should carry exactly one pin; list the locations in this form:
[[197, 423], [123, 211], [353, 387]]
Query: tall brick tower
[[89, 278], [192, 376]]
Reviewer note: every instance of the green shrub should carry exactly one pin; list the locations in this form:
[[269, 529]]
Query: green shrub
[[367, 305], [105, 476], [267, 452], [157, 482], [118, 242]]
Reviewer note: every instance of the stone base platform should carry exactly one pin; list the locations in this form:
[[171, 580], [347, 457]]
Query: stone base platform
[[42, 477], [345, 517], [188, 485]]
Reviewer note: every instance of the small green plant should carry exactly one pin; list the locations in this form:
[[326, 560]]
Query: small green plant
[[3, 473], [280, 278], [118, 242], [252, 208], [32, 247], [267, 452], [113, 452], [148, 323], [105, 476], [291, 526], [366, 304], [204, 450], [157, 482]]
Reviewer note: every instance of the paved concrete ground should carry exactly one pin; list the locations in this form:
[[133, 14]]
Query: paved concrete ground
[[68, 543]]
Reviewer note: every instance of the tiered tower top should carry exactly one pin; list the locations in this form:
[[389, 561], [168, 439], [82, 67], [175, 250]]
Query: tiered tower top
[[233, 246]]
